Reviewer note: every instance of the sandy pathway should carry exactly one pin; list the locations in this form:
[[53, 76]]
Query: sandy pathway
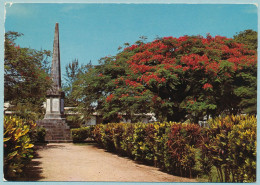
[[86, 162]]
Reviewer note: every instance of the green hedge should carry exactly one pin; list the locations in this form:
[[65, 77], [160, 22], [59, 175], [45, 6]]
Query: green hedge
[[227, 147], [229, 144], [81, 134], [156, 143]]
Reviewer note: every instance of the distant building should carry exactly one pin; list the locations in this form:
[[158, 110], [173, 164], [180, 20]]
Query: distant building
[[96, 118]]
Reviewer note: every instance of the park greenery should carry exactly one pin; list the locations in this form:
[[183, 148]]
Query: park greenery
[[190, 77], [223, 152], [181, 80], [20, 135], [178, 79], [26, 80], [26, 77]]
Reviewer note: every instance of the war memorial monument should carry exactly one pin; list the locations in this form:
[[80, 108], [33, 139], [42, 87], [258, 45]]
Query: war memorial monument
[[54, 120]]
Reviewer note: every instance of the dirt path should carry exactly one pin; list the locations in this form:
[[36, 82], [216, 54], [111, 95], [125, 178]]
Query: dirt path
[[86, 162]]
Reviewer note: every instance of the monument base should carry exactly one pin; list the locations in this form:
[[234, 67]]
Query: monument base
[[57, 130], [54, 116]]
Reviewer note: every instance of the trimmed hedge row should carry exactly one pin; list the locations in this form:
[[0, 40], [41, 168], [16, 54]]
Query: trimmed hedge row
[[19, 138], [80, 134], [228, 145]]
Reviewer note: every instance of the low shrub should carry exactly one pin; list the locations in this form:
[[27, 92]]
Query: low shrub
[[229, 144], [127, 144], [157, 143], [107, 137], [17, 145], [118, 130], [38, 135], [97, 133], [81, 134], [182, 142], [227, 147]]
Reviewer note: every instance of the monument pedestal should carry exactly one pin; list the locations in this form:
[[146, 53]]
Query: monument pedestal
[[57, 130]]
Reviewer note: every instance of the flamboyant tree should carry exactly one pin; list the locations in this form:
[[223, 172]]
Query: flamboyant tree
[[175, 78]]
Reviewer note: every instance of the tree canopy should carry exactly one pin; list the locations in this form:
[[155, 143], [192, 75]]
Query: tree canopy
[[247, 37], [72, 73], [176, 78], [25, 74]]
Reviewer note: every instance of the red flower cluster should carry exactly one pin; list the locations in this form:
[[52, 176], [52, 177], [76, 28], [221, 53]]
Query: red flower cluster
[[148, 77], [140, 68], [142, 57], [207, 86], [212, 67], [131, 47], [17, 47], [109, 97], [124, 95], [154, 99], [195, 61], [186, 54], [132, 83]]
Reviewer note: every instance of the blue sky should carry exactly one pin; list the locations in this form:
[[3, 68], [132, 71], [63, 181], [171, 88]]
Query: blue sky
[[91, 31]]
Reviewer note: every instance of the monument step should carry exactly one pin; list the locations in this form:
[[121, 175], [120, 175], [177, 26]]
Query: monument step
[[59, 132], [60, 135], [56, 130], [56, 127], [59, 138], [60, 141]]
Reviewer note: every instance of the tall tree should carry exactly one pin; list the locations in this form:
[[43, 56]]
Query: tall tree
[[175, 78], [25, 78], [73, 71]]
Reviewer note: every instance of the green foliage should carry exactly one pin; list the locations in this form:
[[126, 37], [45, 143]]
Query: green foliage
[[152, 143], [74, 121], [38, 135], [28, 111], [189, 77], [182, 144], [247, 37], [127, 144], [73, 71], [81, 134], [25, 74], [230, 146], [17, 145], [223, 152]]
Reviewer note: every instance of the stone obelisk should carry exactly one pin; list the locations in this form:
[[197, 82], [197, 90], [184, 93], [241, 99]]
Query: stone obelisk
[[54, 121], [55, 95]]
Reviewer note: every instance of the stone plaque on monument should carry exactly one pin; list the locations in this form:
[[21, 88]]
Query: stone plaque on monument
[[55, 104]]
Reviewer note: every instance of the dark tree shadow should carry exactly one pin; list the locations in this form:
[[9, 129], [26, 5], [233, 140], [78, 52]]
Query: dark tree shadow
[[32, 172]]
